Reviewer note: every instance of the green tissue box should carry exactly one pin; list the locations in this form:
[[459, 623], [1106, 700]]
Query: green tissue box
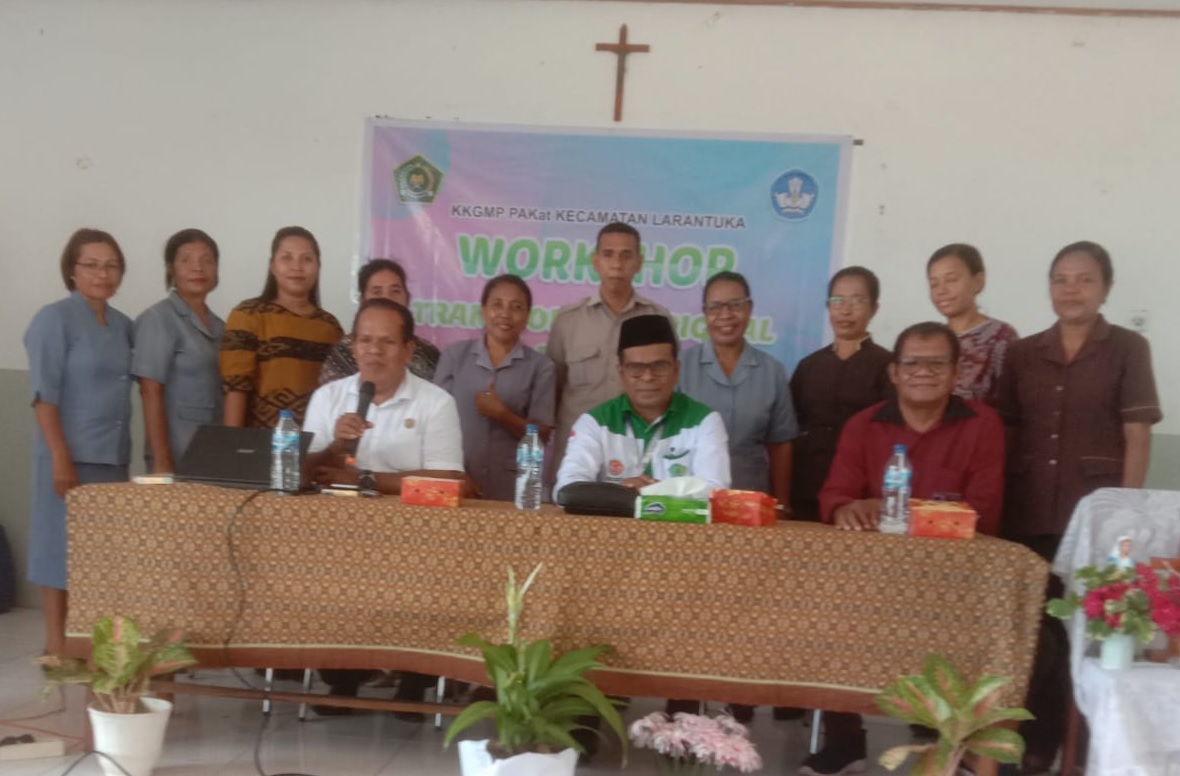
[[673, 509]]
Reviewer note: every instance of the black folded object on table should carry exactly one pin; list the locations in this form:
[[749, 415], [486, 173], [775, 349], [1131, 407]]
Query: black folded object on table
[[598, 498]]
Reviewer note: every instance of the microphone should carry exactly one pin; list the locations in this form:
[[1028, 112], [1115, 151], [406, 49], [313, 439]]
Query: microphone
[[362, 408]]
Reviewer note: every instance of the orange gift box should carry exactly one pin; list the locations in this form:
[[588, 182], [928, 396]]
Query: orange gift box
[[743, 507], [942, 519], [430, 492]]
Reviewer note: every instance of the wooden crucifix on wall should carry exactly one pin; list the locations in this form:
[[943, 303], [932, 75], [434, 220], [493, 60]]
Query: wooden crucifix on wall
[[621, 50]]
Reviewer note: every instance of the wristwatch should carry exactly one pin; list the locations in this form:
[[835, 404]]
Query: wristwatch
[[367, 480]]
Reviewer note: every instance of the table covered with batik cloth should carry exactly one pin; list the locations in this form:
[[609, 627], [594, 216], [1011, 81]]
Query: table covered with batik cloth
[[796, 613]]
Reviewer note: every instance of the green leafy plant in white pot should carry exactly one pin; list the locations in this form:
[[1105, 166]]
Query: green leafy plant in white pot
[[541, 699], [128, 723]]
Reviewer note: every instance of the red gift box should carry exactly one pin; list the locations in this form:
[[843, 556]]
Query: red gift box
[[430, 491], [744, 507]]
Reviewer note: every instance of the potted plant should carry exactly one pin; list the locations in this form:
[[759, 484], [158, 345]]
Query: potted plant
[[694, 743], [540, 700], [1123, 605], [967, 717], [128, 725]]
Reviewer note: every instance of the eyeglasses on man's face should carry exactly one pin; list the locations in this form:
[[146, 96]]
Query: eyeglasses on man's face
[[658, 369], [734, 306]]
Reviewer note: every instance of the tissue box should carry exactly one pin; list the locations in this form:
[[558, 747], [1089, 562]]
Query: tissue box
[[942, 519], [430, 492], [672, 509], [743, 507]]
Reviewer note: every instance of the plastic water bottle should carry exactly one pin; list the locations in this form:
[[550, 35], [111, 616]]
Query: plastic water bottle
[[895, 494], [530, 460], [284, 454]]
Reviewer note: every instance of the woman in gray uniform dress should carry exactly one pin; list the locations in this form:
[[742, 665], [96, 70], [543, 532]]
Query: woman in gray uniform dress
[[79, 377]]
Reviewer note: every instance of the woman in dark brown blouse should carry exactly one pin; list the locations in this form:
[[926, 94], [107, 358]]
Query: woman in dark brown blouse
[[834, 383], [1079, 399]]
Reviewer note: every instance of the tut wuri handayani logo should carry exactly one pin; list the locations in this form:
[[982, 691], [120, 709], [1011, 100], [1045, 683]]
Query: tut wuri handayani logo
[[793, 195], [417, 180]]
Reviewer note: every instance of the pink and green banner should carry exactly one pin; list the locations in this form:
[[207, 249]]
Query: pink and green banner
[[459, 204]]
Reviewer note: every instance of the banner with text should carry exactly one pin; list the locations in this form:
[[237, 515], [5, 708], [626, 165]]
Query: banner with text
[[458, 205]]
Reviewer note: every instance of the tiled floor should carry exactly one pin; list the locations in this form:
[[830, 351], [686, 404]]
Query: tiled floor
[[216, 737]]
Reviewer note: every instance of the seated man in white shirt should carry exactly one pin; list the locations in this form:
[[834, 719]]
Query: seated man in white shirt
[[412, 426], [651, 431]]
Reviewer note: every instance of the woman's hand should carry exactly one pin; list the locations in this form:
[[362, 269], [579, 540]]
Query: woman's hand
[[65, 476], [489, 404]]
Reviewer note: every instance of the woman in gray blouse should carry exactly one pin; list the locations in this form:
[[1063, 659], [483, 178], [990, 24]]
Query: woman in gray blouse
[[748, 387], [176, 344], [500, 385]]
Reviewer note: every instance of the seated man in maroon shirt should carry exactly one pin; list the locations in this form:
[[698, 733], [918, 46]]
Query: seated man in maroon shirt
[[956, 448]]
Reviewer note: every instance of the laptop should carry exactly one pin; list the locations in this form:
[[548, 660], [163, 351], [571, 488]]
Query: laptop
[[231, 457]]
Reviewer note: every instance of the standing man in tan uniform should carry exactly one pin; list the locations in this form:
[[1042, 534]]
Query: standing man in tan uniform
[[584, 337]]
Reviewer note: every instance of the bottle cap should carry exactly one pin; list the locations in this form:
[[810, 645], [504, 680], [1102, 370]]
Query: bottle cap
[[530, 428], [286, 414], [898, 449]]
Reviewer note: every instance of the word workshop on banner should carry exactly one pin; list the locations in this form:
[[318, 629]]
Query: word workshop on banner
[[459, 205]]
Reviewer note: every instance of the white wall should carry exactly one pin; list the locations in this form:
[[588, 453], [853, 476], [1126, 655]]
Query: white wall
[[1017, 132]]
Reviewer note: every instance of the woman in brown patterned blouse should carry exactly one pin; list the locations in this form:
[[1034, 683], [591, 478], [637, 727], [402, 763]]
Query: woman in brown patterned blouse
[[274, 345], [381, 279], [957, 277]]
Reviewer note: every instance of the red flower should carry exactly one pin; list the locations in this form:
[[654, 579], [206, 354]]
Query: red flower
[[1093, 603], [1167, 617]]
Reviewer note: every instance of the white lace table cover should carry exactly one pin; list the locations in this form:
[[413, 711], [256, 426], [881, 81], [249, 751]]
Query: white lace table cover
[[1134, 718], [1134, 715]]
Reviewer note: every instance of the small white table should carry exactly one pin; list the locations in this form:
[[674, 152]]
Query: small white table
[[1134, 718]]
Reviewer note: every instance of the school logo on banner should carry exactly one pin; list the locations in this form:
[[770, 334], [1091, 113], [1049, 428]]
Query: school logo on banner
[[417, 180], [793, 195]]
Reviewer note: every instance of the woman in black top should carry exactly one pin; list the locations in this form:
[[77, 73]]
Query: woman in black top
[[834, 383]]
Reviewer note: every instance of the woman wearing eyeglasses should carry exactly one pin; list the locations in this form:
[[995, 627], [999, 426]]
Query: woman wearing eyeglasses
[[80, 379], [500, 385], [834, 383], [956, 276], [746, 386]]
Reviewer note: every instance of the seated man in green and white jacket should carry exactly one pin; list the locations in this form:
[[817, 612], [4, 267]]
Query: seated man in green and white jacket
[[650, 432]]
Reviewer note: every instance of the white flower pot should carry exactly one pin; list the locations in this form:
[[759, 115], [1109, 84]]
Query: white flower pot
[[1118, 651], [133, 740], [475, 760]]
